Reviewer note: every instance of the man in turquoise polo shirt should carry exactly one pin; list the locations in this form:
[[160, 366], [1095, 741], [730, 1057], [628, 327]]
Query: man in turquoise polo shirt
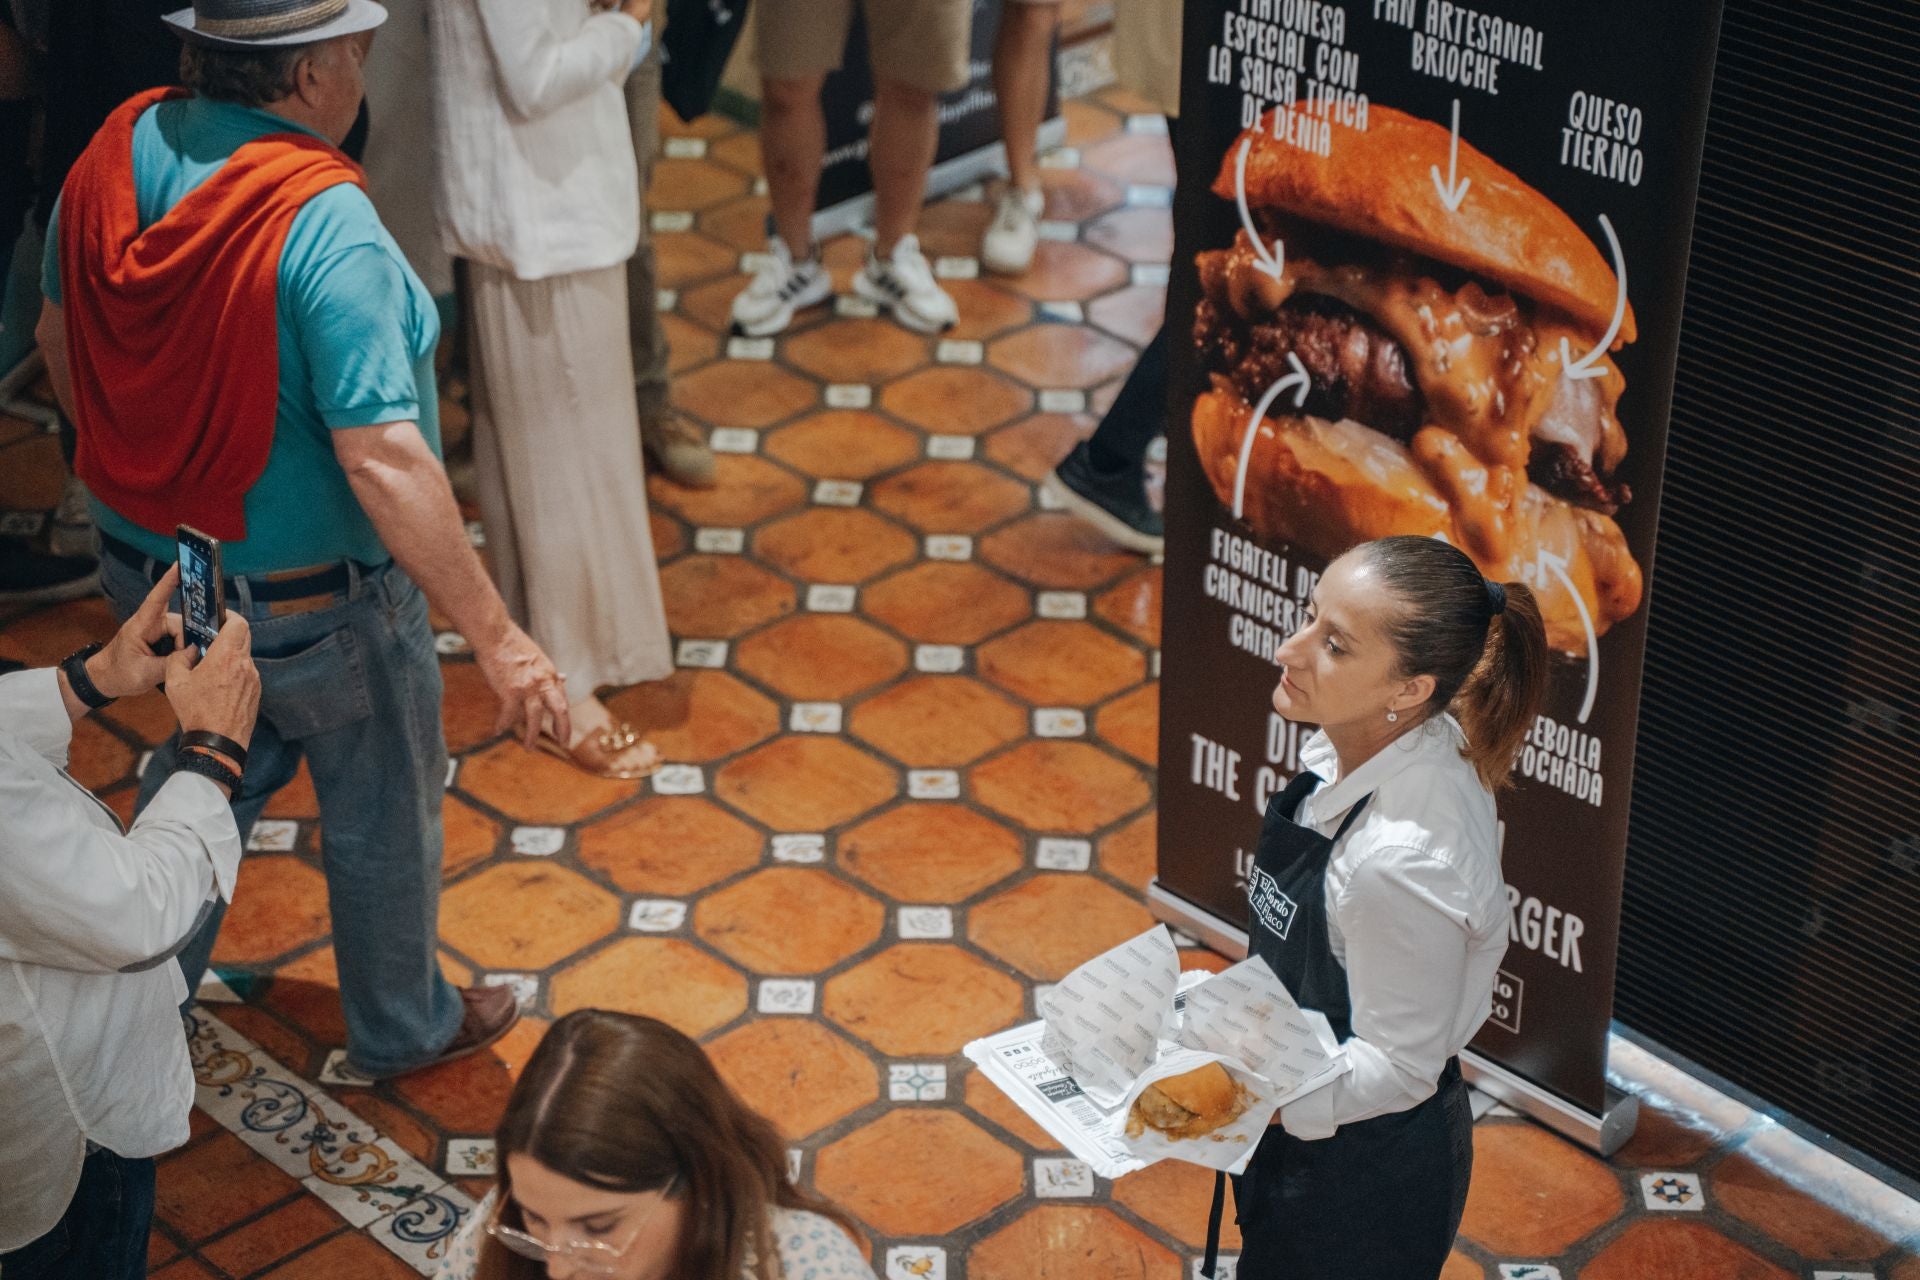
[[350, 512]]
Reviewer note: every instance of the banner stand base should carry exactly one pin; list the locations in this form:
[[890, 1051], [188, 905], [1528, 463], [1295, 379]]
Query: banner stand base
[[1605, 1133]]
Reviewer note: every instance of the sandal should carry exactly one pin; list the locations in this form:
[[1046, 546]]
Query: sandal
[[597, 752]]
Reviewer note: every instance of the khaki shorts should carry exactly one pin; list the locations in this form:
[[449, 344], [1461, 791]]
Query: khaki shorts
[[923, 43]]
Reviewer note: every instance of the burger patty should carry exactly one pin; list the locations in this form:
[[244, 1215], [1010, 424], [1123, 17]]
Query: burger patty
[[1561, 469], [1357, 370]]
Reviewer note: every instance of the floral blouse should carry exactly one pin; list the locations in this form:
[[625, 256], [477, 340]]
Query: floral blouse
[[811, 1247]]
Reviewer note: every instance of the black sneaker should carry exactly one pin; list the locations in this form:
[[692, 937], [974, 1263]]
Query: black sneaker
[[1115, 503], [32, 577]]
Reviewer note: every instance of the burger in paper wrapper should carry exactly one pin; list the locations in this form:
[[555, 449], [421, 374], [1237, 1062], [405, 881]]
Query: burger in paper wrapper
[[1190, 1105]]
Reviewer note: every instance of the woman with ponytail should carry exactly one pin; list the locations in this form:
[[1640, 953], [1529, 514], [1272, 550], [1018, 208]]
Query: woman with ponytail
[[1377, 898]]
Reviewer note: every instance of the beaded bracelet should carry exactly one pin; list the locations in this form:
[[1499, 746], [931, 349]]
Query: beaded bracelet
[[199, 760]]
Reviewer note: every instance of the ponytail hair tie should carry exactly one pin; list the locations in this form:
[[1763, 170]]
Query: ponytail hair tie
[[1496, 597]]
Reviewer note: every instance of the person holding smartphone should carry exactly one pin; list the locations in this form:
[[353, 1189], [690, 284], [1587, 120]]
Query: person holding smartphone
[[96, 1076]]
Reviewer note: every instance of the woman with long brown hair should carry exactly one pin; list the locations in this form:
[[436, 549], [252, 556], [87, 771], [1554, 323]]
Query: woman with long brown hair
[[1377, 897], [623, 1155]]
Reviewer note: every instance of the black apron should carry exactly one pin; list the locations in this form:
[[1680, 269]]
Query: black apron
[[1381, 1198]]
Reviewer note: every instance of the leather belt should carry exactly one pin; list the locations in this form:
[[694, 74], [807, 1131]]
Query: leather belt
[[283, 591]]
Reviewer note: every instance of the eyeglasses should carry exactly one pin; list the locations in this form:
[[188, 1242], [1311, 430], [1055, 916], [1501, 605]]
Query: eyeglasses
[[590, 1256]]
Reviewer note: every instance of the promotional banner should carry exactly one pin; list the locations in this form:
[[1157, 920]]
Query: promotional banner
[[1427, 280]]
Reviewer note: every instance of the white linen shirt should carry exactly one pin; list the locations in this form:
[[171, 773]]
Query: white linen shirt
[[90, 1042], [536, 174], [1417, 912]]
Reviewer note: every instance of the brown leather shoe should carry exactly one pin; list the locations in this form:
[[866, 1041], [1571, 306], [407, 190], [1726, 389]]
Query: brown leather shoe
[[489, 1014], [679, 447]]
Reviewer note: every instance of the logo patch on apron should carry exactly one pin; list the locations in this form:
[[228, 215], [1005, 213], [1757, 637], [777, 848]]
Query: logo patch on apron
[[1271, 907]]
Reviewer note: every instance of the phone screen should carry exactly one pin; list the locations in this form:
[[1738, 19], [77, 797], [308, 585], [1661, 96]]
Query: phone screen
[[202, 600]]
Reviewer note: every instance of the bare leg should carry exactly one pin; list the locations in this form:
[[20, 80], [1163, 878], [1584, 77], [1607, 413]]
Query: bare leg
[[793, 147], [905, 132], [1020, 52]]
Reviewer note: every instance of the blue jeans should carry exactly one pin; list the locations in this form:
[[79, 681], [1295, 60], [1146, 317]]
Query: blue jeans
[[354, 687], [102, 1235]]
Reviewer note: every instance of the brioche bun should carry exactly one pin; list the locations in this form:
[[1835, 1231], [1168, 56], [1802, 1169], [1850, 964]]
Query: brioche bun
[[1189, 1105]]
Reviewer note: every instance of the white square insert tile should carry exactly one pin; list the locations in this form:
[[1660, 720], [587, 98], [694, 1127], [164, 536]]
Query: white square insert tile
[[939, 659], [1144, 196], [706, 654], [1061, 158], [525, 986], [734, 440], [1152, 273], [1059, 232], [1062, 604], [957, 268], [669, 220], [665, 299], [749, 348], [273, 835], [959, 351], [838, 493], [694, 148], [470, 1157], [786, 996], [916, 1262], [933, 784], [849, 395], [799, 848], [1528, 1271], [1672, 1192], [822, 598], [1059, 722], [719, 542], [916, 1081], [921, 923], [1063, 400], [679, 780], [453, 769], [815, 717], [1149, 122], [1056, 853], [1057, 1179], [656, 915], [449, 643], [538, 842], [857, 308], [1227, 1267], [949, 546], [796, 1161], [1063, 312], [950, 448]]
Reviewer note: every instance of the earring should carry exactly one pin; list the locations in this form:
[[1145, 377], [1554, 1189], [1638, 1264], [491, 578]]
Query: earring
[[1393, 717]]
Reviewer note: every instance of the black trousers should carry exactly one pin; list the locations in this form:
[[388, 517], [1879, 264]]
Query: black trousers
[[103, 1235], [1139, 412]]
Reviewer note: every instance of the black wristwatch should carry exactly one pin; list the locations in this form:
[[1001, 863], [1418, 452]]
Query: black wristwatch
[[80, 682]]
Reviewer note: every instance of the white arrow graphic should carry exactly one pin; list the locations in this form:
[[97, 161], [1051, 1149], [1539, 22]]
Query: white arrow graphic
[[1587, 366], [1271, 263], [1551, 563], [1298, 378], [1451, 194]]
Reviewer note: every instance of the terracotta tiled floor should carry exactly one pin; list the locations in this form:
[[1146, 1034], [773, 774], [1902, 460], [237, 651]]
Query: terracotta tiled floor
[[903, 693]]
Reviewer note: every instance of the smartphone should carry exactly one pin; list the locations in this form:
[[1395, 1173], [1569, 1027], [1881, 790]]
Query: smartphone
[[203, 601]]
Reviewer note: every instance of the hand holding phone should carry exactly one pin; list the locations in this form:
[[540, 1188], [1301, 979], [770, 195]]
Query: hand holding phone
[[203, 602]]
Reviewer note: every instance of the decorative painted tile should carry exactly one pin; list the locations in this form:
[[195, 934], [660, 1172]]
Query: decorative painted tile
[[1061, 604], [656, 915], [855, 307], [370, 1180], [957, 268], [476, 536], [539, 842], [939, 659], [1063, 400], [959, 351], [666, 299], [838, 493], [949, 546], [214, 990], [749, 348], [916, 1262], [23, 524], [453, 769], [719, 542], [1148, 122], [421, 1231], [679, 780], [849, 395], [449, 644], [785, 996], [1152, 273], [1227, 1267], [707, 654], [1049, 499], [950, 448], [335, 1070], [921, 923], [917, 1081], [815, 717], [691, 148], [1063, 312], [1843, 1275], [796, 1161], [273, 835], [799, 848], [753, 260], [1672, 1192], [1141, 196], [1060, 232], [734, 440], [1059, 722], [933, 784], [831, 599], [671, 220], [1056, 853], [1062, 1179], [471, 1157], [1528, 1271], [525, 986]]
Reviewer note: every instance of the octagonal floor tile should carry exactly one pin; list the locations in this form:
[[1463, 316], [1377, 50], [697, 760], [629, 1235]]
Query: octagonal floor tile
[[1175, 1197], [1060, 786], [96, 759], [739, 224], [835, 545], [796, 1072], [306, 992], [1056, 551], [718, 597], [681, 258], [1535, 1194], [806, 784], [916, 1173], [665, 978], [953, 228], [938, 602], [789, 920], [1134, 606], [214, 1184], [844, 444], [1668, 1136], [1816, 1231], [297, 800], [710, 303], [822, 656], [697, 183], [148, 716], [45, 637], [533, 787], [470, 836], [742, 152], [696, 716], [1050, 925], [669, 538], [923, 998], [469, 1095], [1133, 313], [1076, 195], [743, 393], [1666, 1249], [985, 1098], [279, 904], [951, 497], [467, 707], [959, 400], [688, 345], [932, 853], [1145, 158], [670, 846], [1061, 355], [855, 350], [1131, 854], [938, 721], [1138, 235], [985, 309], [1055, 664], [746, 490], [1088, 121], [525, 915], [1071, 1242], [1131, 722], [1065, 271], [1036, 443]]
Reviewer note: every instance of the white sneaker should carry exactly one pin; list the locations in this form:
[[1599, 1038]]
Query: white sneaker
[[779, 288], [1014, 233], [905, 285]]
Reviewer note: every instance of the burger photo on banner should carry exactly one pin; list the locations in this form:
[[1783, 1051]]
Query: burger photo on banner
[[1380, 363]]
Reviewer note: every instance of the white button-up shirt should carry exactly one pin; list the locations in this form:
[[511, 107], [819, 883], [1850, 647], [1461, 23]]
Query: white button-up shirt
[[1416, 911], [90, 1042]]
